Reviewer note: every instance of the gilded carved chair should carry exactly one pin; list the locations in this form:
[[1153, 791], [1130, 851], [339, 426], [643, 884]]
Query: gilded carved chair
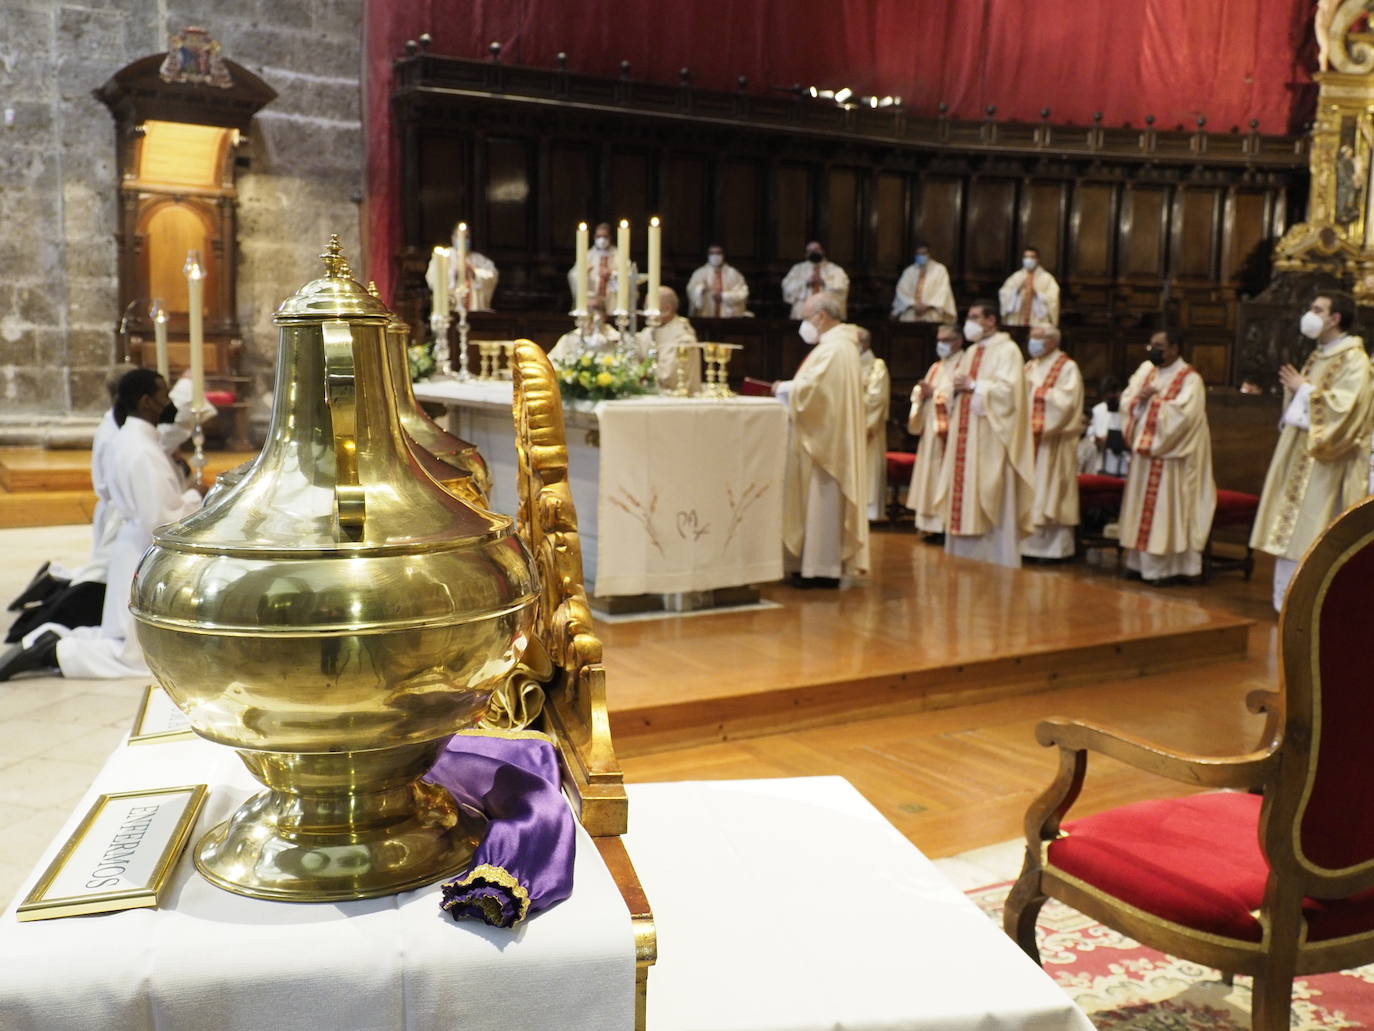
[[1271, 884], [559, 688]]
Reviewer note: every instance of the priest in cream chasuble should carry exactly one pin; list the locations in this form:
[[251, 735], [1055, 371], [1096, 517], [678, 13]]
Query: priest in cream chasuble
[[1170, 496], [1321, 463], [932, 401], [825, 518], [1055, 391], [987, 478]]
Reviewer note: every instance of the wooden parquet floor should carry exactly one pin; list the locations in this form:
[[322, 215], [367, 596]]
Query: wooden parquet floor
[[959, 778]]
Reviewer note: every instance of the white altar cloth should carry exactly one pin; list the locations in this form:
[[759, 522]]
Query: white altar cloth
[[672, 494], [793, 905], [213, 960]]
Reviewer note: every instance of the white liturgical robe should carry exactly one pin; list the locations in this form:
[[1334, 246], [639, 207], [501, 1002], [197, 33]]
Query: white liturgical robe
[[807, 277], [987, 477], [145, 492], [1319, 466], [1170, 495], [825, 494], [1037, 307], [924, 294], [479, 281], [668, 341], [602, 339], [877, 403], [603, 280], [929, 420], [710, 280], [1055, 391]]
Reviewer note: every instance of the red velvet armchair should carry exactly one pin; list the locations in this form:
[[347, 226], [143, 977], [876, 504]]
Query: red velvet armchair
[[1270, 884]]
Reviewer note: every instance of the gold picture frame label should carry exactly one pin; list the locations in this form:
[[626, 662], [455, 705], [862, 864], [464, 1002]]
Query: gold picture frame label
[[158, 719], [120, 856]]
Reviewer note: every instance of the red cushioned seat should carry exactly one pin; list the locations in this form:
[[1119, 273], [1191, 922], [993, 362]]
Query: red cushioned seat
[[899, 466], [221, 398], [1146, 855], [1102, 492], [1235, 508]]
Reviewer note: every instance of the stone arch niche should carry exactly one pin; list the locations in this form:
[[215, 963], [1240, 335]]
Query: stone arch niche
[[181, 118]]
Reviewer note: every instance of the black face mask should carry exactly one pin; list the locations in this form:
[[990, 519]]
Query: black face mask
[[815, 257], [1156, 355], [168, 414]]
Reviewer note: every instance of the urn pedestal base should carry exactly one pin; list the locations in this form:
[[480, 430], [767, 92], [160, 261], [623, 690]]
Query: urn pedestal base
[[340, 825]]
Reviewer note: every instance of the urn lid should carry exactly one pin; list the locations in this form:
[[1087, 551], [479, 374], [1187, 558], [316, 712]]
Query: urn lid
[[335, 295], [395, 323]]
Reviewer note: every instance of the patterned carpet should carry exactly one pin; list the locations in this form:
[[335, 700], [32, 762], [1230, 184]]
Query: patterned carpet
[[1123, 986]]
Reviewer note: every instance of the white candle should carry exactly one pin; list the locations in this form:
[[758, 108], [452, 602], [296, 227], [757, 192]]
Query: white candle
[[160, 333], [195, 289], [655, 263], [622, 267], [461, 263], [580, 275], [441, 281]]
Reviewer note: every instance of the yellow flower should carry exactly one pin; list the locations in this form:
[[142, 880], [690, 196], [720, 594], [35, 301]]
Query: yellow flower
[[604, 379]]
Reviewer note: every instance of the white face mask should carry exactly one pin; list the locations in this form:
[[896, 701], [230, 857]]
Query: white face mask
[[715, 260], [603, 243], [1036, 347], [1312, 325], [944, 348], [973, 331], [1028, 263], [809, 332]]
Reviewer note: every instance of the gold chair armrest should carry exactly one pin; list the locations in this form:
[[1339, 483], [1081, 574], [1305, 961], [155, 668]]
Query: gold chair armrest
[[1250, 770]]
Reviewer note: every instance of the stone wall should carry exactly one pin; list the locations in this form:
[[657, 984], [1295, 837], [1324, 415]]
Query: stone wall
[[58, 288]]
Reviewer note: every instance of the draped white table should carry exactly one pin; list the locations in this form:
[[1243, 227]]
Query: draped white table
[[673, 494]]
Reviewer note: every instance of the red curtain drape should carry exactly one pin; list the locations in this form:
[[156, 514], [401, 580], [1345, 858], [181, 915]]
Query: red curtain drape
[[1229, 61]]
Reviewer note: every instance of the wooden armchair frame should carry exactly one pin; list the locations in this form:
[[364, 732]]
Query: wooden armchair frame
[[1284, 767]]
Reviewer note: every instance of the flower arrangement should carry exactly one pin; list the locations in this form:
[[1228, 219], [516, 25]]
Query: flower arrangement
[[421, 360], [602, 377]]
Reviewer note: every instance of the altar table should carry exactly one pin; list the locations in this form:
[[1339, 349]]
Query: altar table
[[673, 494]]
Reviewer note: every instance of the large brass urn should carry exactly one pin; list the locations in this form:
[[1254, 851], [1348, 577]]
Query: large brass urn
[[335, 615]]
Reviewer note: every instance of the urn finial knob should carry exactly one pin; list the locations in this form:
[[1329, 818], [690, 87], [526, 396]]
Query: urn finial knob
[[335, 264]]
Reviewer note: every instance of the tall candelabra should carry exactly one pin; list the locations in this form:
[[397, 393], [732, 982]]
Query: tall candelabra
[[463, 373], [438, 326], [200, 413]]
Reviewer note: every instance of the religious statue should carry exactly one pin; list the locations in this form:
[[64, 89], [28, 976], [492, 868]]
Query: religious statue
[[1349, 185]]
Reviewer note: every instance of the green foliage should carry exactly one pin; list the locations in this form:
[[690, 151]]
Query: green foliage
[[603, 377]]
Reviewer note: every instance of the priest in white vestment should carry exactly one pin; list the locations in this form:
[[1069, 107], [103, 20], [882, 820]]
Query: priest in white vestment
[[1170, 495], [825, 492], [1030, 296], [987, 478], [474, 284], [673, 342], [601, 336], [877, 404], [1054, 389], [603, 281], [923, 291], [717, 290], [932, 402], [144, 492], [1320, 465], [815, 275]]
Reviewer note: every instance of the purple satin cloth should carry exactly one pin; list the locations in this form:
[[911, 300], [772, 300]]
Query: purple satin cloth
[[525, 862]]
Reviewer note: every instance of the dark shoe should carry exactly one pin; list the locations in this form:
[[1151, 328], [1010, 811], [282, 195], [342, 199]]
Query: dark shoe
[[801, 583], [40, 588], [819, 583], [41, 655]]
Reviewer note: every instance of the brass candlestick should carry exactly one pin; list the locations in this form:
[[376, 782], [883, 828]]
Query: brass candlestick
[[463, 373], [198, 461], [438, 326]]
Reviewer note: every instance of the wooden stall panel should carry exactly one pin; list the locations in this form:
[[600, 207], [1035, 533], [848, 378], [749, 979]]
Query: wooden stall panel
[[572, 198], [1043, 210], [988, 254], [1246, 238], [1197, 240], [1144, 213], [842, 246], [1092, 227], [444, 194], [685, 207], [631, 192], [795, 205], [509, 197], [890, 223], [741, 216], [938, 214]]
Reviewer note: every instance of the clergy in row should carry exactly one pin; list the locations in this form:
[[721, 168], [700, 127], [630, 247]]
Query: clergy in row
[[717, 290], [1054, 388], [825, 489], [923, 291], [932, 402], [986, 483], [1030, 296], [1321, 463], [813, 276], [673, 342], [1170, 495], [877, 403], [473, 285], [603, 280], [600, 336]]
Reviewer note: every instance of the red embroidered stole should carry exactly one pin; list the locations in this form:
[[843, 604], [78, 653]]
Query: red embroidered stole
[[941, 405], [920, 286], [1028, 297], [1147, 440], [603, 276], [1038, 403], [720, 289], [961, 447]]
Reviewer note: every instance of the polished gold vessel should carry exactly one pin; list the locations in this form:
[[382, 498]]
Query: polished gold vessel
[[335, 615]]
